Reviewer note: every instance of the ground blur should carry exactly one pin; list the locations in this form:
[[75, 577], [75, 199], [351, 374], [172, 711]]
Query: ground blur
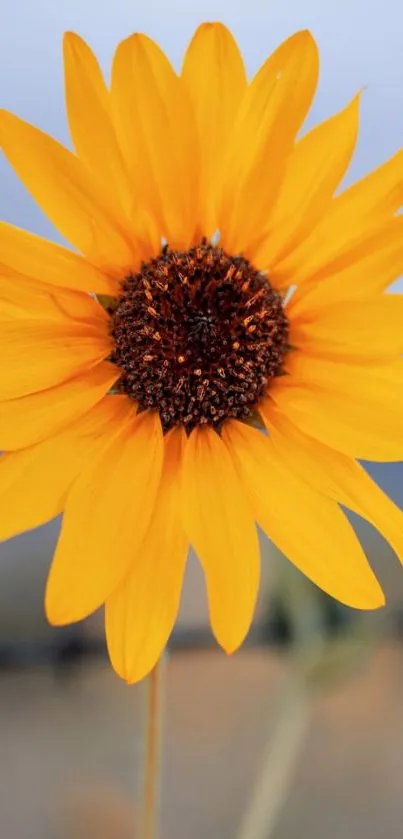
[[72, 741]]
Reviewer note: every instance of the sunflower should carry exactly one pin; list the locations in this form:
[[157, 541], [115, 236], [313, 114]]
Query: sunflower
[[216, 352]]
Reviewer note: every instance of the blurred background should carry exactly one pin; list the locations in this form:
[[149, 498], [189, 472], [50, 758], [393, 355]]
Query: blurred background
[[299, 735]]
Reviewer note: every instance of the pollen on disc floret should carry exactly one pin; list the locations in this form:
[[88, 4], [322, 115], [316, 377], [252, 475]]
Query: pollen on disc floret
[[198, 336]]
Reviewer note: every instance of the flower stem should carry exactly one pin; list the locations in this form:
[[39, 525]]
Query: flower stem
[[279, 763], [152, 757]]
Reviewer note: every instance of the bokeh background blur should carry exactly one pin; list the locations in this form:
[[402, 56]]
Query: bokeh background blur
[[300, 735]]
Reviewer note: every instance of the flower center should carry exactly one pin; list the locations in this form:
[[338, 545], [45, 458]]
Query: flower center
[[198, 336]]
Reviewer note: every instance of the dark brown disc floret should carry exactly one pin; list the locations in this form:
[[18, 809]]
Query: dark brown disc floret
[[198, 335]]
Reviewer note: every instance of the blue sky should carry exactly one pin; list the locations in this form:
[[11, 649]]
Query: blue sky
[[361, 44]]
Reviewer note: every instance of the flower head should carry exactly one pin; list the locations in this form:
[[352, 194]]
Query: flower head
[[215, 280]]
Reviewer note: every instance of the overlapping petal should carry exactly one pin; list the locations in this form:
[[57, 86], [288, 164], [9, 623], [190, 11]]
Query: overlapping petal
[[91, 125], [367, 268], [44, 353], [24, 254], [271, 112], [22, 298], [157, 132], [314, 171], [334, 474], [35, 482], [355, 409], [34, 417], [106, 517], [309, 528], [141, 612], [368, 330], [214, 75], [352, 220], [63, 187], [220, 527]]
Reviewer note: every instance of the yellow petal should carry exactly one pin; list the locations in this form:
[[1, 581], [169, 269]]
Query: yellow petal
[[94, 136], [307, 527], [338, 476], [105, 520], [380, 193], [271, 113], [365, 329], [24, 253], [78, 306], [63, 188], [141, 612], [91, 126], [351, 220], [221, 529], [315, 169], [157, 132], [31, 418], [355, 409], [24, 298], [368, 268], [41, 354], [214, 75], [34, 482]]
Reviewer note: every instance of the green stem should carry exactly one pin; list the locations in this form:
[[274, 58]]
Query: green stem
[[152, 757], [279, 762]]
